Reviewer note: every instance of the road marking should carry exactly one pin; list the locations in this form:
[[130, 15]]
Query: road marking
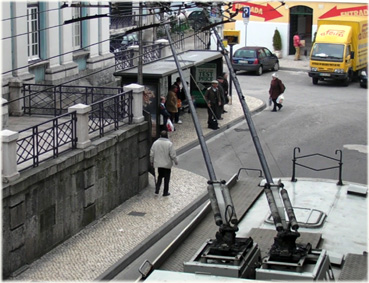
[[359, 147]]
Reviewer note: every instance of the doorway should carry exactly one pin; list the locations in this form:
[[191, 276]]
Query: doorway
[[301, 21]]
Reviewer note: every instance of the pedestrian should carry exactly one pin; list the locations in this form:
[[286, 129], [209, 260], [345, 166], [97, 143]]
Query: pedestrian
[[164, 114], [225, 86], [162, 156], [213, 99], [297, 45], [276, 89], [172, 103], [220, 80], [178, 91]]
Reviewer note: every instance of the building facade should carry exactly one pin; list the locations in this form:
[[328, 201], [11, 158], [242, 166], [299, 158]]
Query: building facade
[[42, 44], [289, 18]]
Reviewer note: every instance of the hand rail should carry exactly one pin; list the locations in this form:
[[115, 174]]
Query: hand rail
[[294, 160]]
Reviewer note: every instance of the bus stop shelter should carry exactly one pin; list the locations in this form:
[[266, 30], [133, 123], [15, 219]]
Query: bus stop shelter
[[200, 67]]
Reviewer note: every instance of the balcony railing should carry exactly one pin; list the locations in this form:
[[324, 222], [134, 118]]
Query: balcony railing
[[49, 139], [46, 140], [54, 100]]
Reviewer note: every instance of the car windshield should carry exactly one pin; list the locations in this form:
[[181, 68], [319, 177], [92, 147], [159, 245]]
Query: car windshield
[[328, 51], [245, 54]]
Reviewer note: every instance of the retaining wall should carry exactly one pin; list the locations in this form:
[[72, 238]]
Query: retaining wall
[[54, 201]]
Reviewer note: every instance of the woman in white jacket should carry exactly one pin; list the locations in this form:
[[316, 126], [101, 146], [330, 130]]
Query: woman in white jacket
[[162, 156]]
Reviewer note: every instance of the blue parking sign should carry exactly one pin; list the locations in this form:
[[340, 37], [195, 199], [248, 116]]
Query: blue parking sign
[[246, 12]]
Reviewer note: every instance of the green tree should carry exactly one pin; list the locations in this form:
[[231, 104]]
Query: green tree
[[277, 41]]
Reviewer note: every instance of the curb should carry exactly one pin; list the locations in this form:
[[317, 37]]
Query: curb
[[194, 143]]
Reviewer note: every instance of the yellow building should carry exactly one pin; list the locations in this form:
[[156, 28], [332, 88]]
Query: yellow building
[[289, 18]]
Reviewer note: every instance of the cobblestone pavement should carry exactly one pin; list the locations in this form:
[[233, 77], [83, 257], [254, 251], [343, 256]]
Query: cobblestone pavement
[[89, 253]]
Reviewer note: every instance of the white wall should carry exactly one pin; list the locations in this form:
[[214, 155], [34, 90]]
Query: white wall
[[261, 34]]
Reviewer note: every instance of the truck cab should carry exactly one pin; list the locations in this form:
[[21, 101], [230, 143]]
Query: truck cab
[[331, 55], [340, 49]]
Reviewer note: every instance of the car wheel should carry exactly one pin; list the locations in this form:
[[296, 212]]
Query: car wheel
[[276, 66], [315, 81], [259, 72]]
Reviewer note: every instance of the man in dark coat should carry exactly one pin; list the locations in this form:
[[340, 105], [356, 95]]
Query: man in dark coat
[[276, 88], [214, 101]]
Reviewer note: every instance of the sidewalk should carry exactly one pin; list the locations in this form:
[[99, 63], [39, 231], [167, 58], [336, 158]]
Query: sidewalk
[[87, 255]]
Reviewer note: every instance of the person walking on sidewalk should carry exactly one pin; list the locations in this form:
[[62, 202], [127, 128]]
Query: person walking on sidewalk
[[297, 45], [162, 156], [276, 89]]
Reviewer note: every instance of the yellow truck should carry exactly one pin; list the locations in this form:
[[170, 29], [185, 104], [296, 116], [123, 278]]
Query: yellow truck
[[340, 50]]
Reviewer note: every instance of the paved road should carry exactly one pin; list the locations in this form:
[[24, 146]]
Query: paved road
[[317, 119]]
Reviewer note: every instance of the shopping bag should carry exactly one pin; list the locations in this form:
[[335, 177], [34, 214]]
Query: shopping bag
[[270, 101], [170, 126], [280, 99]]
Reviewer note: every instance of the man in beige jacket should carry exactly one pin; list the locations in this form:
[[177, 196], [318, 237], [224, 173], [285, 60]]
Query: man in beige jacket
[[162, 156]]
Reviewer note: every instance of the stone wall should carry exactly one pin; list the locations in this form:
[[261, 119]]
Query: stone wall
[[54, 201]]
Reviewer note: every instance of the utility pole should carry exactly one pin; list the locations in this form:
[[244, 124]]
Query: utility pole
[[140, 49]]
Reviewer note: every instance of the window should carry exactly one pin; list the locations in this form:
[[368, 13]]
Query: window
[[33, 33], [76, 29]]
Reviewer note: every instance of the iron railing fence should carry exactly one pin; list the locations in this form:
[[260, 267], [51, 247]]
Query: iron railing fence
[[46, 140], [110, 113], [41, 99], [49, 139], [202, 40], [124, 59], [122, 21], [151, 53]]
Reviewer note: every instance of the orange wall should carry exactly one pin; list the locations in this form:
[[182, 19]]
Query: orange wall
[[275, 12]]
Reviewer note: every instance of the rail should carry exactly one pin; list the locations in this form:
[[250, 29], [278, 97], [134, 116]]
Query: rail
[[110, 112], [47, 139], [40, 99], [293, 178]]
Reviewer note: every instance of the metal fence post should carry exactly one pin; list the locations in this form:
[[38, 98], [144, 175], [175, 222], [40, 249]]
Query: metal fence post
[[82, 112], [137, 103], [9, 155]]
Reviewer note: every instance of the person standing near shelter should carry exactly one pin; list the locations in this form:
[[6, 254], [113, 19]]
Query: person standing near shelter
[[222, 94], [276, 88], [164, 114], [225, 86], [172, 103], [162, 156], [178, 91], [213, 99], [297, 45]]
